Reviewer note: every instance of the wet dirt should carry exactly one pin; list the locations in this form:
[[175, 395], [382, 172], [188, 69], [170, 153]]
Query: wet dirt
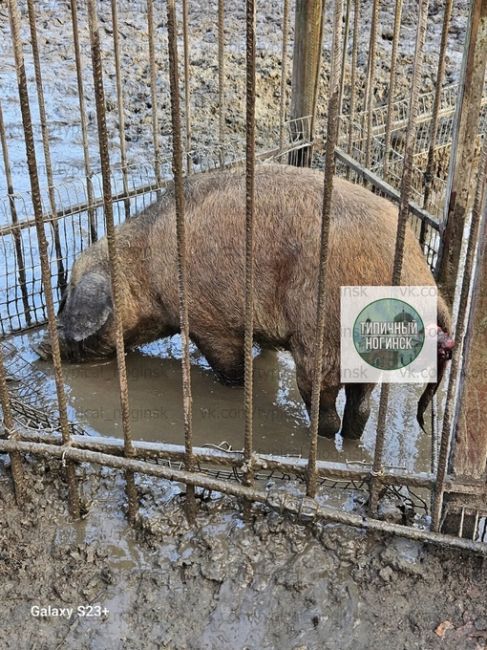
[[265, 583]]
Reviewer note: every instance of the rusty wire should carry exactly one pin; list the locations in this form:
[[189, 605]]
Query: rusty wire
[[440, 76], [116, 273], [11, 434], [392, 84], [249, 240], [402, 221], [153, 89], [331, 138], [16, 232], [221, 78], [479, 214], [370, 86], [177, 168], [282, 106], [61, 277], [187, 86], [14, 13], [84, 124], [120, 106]]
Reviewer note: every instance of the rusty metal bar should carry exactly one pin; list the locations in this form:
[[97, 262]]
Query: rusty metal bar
[[285, 38], [392, 83], [153, 87], [11, 434], [291, 465], [61, 274], [84, 122], [249, 240], [221, 78], [403, 216], [120, 106], [451, 415], [306, 55], [332, 134], [317, 84], [14, 14], [344, 54], [177, 167], [16, 231], [187, 85], [387, 189], [370, 86], [463, 163], [440, 76], [116, 272], [353, 81], [306, 509]]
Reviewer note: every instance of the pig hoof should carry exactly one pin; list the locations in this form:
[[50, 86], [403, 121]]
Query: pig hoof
[[329, 424], [353, 428]]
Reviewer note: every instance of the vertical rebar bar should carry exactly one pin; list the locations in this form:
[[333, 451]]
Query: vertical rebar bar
[[344, 54], [332, 132], [370, 86], [177, 168], [116, 272], [221, 79], [440, 75], [153, 89], [120, 105], [61, 274], [187, 86], [84, 122], [479, 214], [249, 240], [16, 232], [14, 13], [285, 38], [316, 84], [392, 84], [353, 80], [403, 215], [8, 426]]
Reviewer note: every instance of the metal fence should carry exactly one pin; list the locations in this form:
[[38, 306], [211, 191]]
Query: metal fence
[[413, 148]]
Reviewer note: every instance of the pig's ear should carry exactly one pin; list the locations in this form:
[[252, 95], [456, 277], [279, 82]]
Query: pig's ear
[[87, 307]]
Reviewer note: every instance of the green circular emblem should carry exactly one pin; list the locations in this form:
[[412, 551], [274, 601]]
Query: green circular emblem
[[388, 334]]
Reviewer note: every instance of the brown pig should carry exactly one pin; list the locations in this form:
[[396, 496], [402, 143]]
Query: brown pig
[[288, 206]]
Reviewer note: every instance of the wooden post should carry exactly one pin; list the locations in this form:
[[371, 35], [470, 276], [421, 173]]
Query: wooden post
[[306, 63], [470, 445], [469, 452], [464, 159]]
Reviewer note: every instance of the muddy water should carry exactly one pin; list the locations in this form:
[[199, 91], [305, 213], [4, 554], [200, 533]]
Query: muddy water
[[281, 424]]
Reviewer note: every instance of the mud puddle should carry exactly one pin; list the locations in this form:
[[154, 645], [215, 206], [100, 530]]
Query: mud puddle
[[281, 424]]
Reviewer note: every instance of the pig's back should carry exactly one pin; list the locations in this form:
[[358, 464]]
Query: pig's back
[[287, 229]]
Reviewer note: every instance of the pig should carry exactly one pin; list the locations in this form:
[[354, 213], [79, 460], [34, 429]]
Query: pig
[[288, 209]]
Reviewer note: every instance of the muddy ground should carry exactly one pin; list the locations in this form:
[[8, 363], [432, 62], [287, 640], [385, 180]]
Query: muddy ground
[[224, 583]]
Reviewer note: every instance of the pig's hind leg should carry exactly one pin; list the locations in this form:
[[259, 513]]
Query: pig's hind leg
[[225, 355], [329, 420], [357, 410]]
